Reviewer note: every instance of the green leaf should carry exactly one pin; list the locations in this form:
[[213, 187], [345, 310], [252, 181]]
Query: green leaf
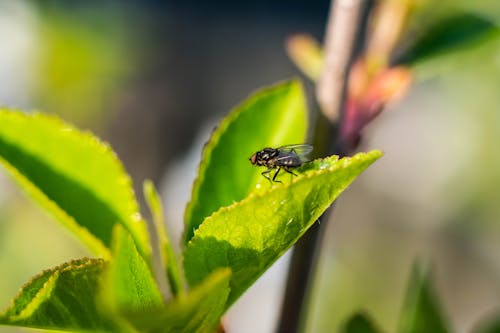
[[198, 311], [490, 324], [359, 323], [131, 296], [421, 310], [59, 298], [73, 175], [459, 31], [129, 285], [166, 250], [306, 53], [250, 235], [271, 117]]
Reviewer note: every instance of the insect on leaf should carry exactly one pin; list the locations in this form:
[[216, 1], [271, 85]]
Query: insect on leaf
[[250, 235], [271, 117]]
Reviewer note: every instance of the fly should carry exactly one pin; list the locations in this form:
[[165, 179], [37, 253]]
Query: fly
[[285, 157]]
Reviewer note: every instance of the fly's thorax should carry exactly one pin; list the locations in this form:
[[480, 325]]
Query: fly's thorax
[[267, 154], [263, 157]]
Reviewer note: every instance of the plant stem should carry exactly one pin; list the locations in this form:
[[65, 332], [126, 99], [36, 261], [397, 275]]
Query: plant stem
[[341, 30], [307, 249], [298, 280], [346, 21]]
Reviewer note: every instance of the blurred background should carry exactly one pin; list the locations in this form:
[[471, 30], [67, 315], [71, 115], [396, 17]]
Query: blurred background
[[154, 77]]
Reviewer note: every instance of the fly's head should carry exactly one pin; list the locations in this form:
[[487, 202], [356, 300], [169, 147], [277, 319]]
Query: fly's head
[[263, 157]]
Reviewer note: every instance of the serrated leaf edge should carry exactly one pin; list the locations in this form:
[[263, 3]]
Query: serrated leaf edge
[[124, 180], [338, 164], [42, 293], [216, 135]]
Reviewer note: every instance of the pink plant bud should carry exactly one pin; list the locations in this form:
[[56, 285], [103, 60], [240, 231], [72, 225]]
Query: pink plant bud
[[368, 92]]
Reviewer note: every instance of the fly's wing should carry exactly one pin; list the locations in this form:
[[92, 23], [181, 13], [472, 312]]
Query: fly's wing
[[299, 151]]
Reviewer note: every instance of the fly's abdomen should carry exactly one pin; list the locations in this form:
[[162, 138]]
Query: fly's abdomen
[[291, 161]]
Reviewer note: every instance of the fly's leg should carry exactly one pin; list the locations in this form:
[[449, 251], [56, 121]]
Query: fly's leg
[[266, 174], [290, 171], [275, 175]]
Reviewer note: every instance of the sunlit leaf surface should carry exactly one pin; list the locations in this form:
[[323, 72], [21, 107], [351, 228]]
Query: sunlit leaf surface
[[73, 175], [270, 118], [61, 298], [250, 235]]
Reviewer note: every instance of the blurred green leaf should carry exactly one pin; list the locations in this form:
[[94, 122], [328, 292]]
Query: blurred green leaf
[[250, 235], [73, 175], [421, 311], [456, 32], [166, 250], [59, 298], [198, 311], [359, 323], [489, 325], [306, 53], [271, 117], [82, 58]]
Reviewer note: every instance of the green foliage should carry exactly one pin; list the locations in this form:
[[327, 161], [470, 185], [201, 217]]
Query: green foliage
[[199, 311], [82, 56], [61, 297], [250, 235], [421, 310], [252, 222], [128, 282], [73, 175], [456, 32], [359, 323], [271, 117], [133, 298], [237, 224], [490, 325], [166, 250]]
